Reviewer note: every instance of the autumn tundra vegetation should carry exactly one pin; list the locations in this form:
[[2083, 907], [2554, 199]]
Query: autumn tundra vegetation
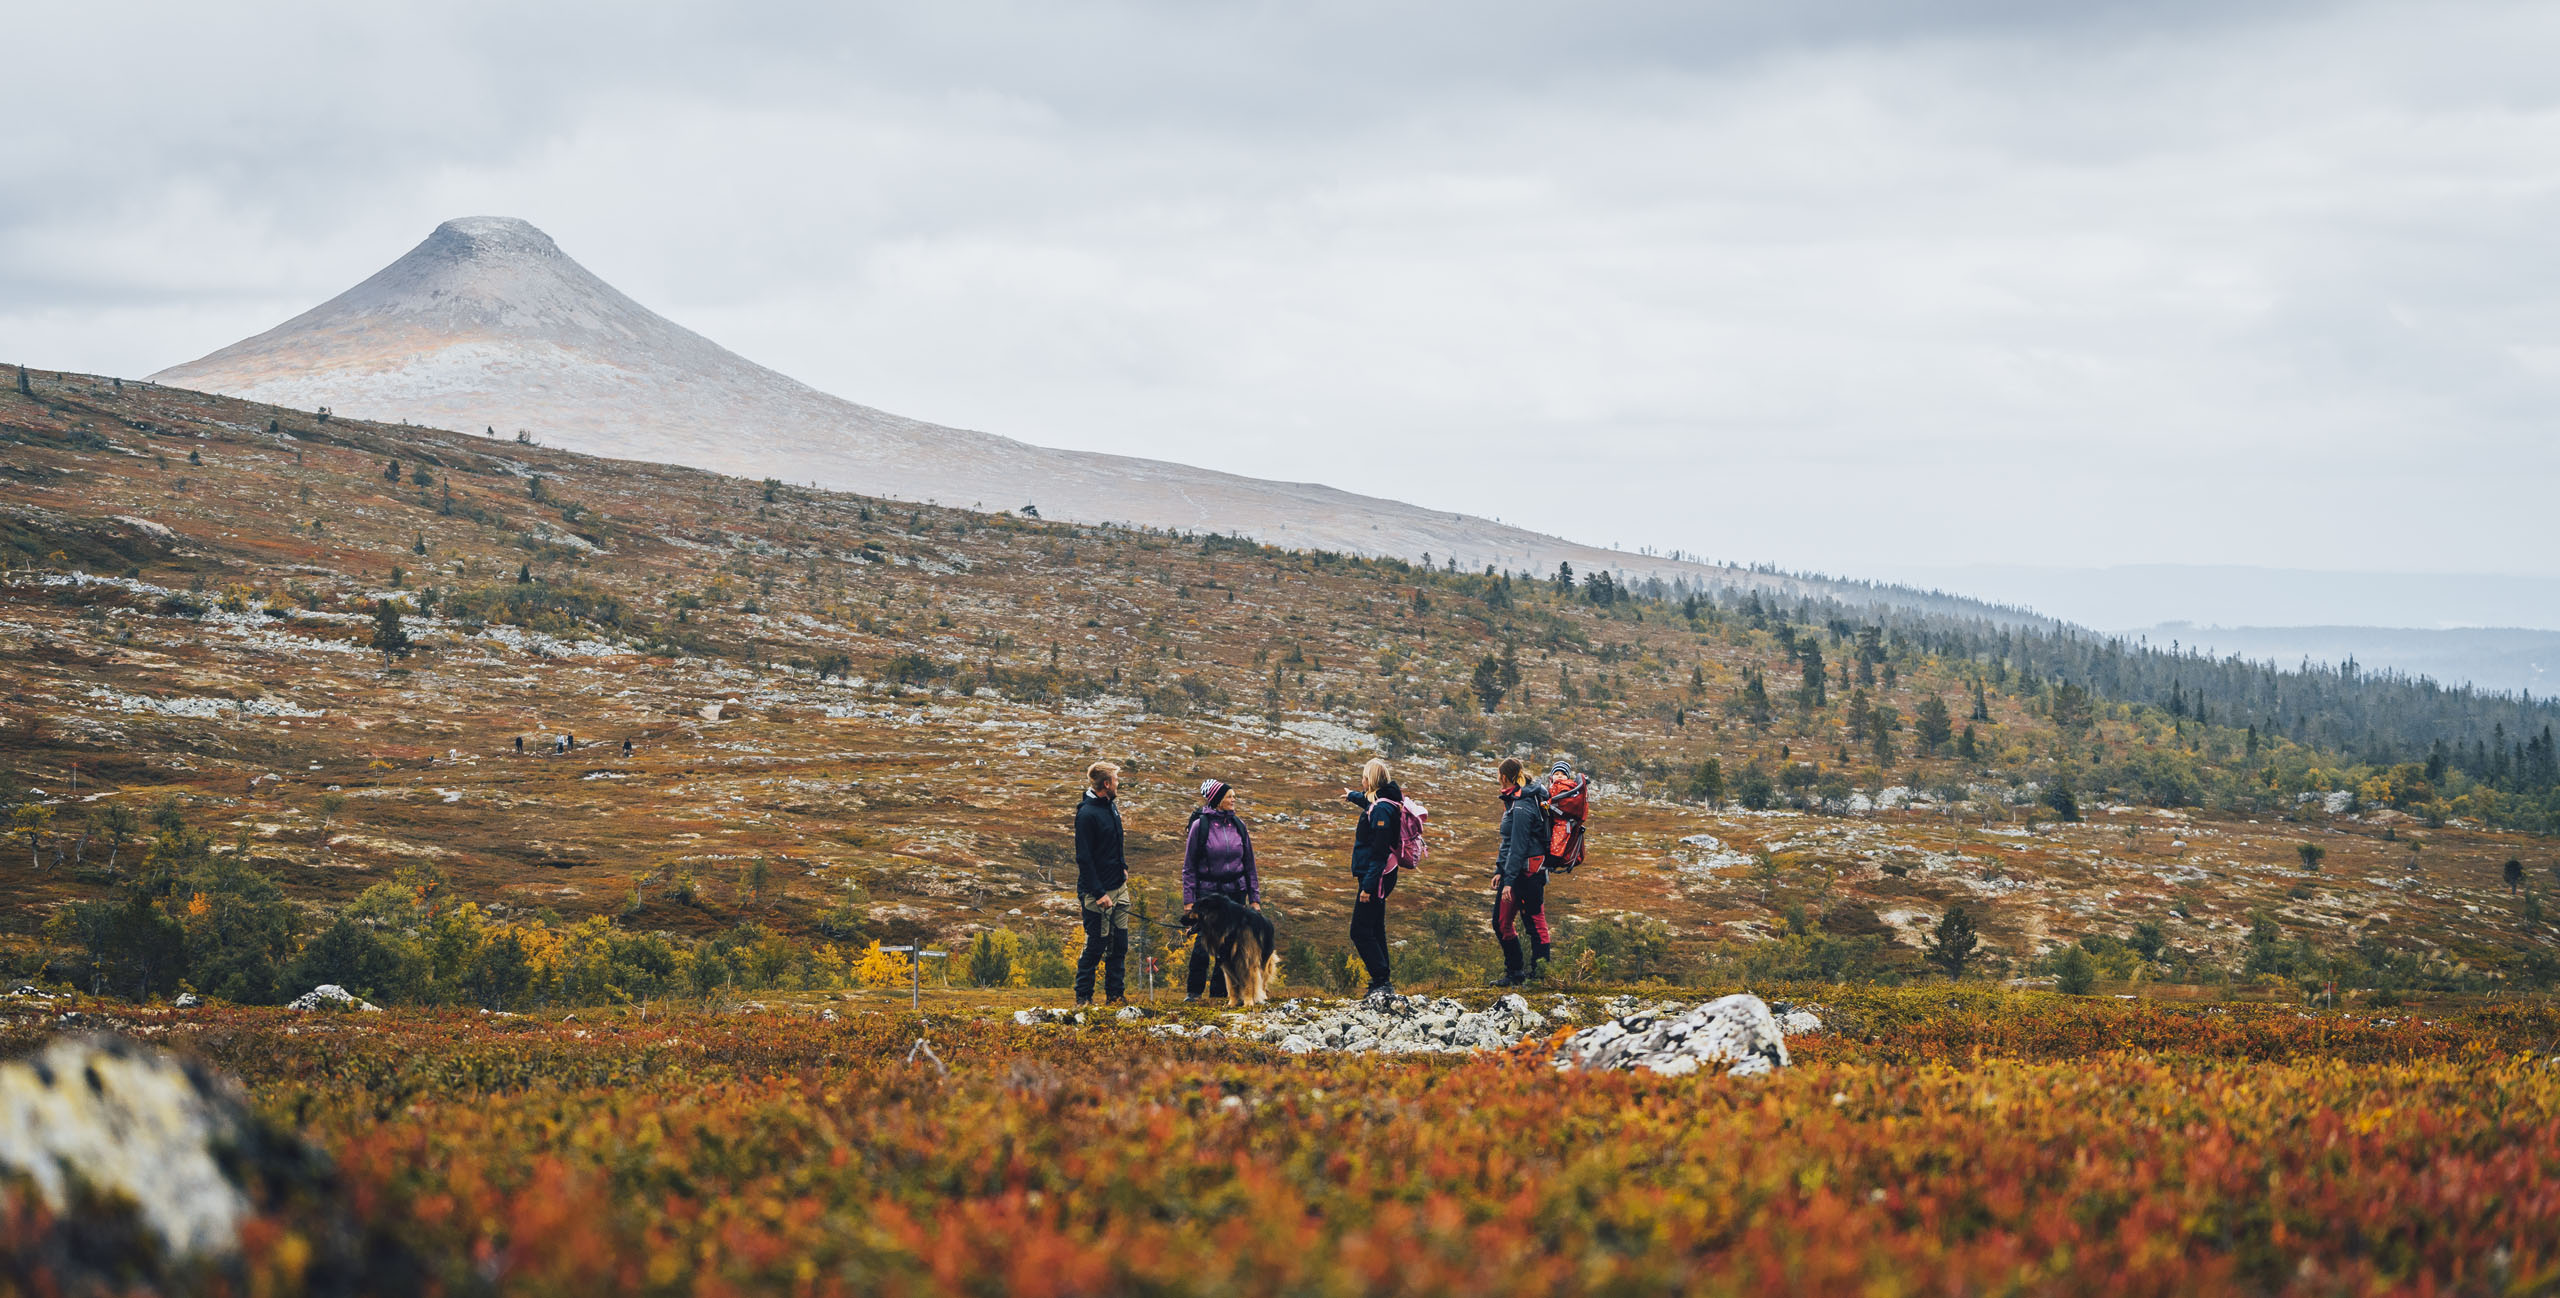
[[620, 784]]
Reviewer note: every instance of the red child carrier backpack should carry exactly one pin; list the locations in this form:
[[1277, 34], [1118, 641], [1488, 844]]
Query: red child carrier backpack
[[1568, 807]]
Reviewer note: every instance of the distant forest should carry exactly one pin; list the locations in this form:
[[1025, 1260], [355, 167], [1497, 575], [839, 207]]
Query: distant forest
[[2267, 738], [2413, 727]]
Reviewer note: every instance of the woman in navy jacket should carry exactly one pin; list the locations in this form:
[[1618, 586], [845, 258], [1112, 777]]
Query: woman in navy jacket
[[1374, 843]]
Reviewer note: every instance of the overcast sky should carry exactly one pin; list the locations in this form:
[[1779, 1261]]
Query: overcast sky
[[1848, 287]]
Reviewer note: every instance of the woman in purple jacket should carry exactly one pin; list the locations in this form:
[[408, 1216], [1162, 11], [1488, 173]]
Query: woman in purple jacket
[[1217, 858]]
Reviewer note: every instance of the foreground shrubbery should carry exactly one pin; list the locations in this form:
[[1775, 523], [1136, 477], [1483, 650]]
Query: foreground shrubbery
[[1943, 1142], [193, 915]]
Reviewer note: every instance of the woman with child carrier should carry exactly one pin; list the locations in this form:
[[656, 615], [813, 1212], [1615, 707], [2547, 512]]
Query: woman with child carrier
[[1520, 869], [1374, 843], [1217, 861]]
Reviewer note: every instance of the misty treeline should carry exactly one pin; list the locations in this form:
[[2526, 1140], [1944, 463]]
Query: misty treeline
[[2365, 717], [2396, 740], [2250, 736]]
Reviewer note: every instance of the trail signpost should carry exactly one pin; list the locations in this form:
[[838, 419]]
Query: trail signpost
[[916, 967]]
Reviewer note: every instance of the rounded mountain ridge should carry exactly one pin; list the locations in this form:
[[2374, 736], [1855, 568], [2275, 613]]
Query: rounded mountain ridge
[[491, 236]]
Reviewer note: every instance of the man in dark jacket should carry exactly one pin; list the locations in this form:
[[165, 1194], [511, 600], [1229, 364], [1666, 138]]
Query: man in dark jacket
[[1520, 867], [1102, 887]]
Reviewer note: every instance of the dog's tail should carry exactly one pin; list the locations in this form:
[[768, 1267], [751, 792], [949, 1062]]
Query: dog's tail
[[1245, 962], [1257, 963]]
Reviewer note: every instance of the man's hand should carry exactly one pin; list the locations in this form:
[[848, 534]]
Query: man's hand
[[1364, 896]]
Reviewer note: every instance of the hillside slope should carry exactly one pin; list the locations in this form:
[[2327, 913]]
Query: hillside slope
[[854, 720]]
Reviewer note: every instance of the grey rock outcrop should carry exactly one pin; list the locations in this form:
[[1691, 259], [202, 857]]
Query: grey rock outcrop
[[1737, 1033], [1394, 1025]]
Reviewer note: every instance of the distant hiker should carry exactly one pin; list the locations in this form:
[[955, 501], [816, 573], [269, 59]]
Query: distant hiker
[[1374, 842], [1102, 887], [1520, 883], [519, 745], [626, 748], [1217, 861], [1568, 807], [568, 743]]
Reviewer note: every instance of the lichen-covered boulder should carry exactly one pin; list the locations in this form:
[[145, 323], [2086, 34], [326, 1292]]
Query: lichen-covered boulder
[[105, 1117], [1737, 1033], [145, 1167]]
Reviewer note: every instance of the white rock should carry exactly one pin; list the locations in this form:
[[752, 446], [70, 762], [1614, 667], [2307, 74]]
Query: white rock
[[130, 1123], [187, 1001], [330, 996], [1736, 1031]]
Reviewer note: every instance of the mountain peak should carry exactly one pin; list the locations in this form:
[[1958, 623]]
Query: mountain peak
[[477, 237]]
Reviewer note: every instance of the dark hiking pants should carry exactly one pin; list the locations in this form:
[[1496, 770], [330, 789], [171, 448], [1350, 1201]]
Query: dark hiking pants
[[1526, 900], [1106, 942], [1369, 931]]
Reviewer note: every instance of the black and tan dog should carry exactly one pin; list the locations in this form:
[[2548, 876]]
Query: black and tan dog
[[1243, 946]]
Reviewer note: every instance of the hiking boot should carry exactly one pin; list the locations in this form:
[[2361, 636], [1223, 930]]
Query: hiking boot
[[1084, 1002], [1115, 1002], [1190, 1000], [1509, 980]]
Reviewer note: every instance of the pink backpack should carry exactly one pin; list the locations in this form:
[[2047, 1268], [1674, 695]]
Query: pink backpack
[[1410, 849]]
